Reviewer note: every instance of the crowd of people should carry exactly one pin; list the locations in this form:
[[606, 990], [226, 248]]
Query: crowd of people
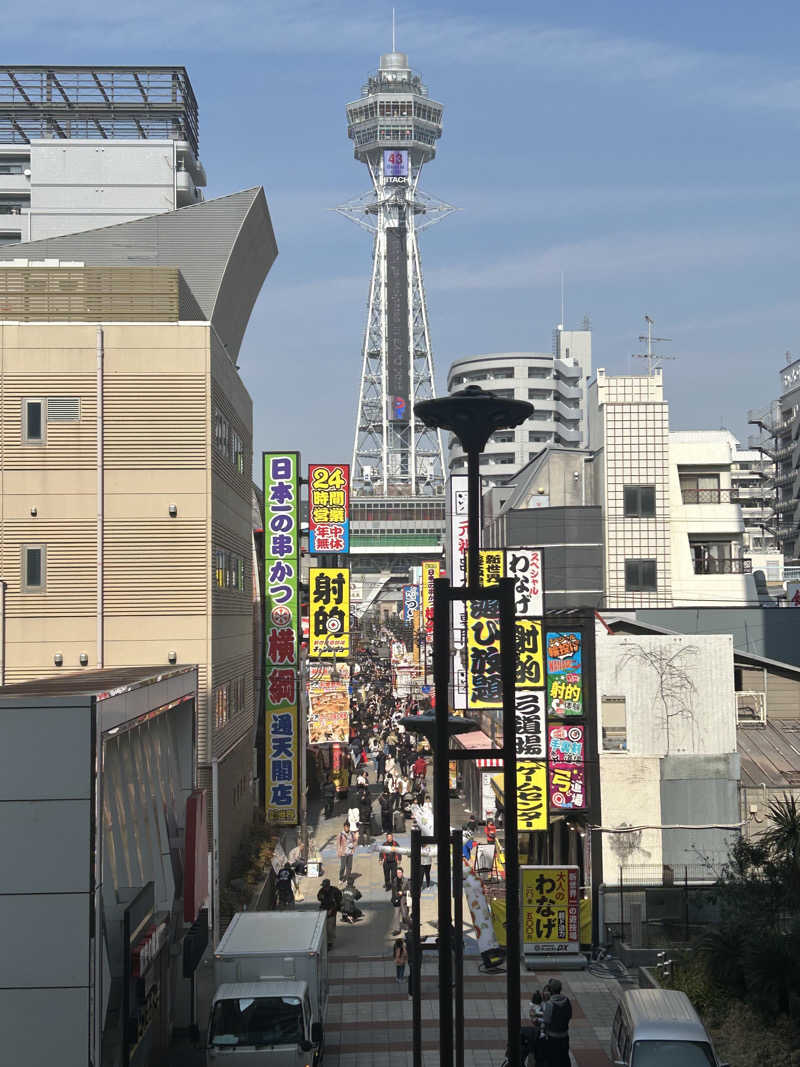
[[380, 746], [387, 773]]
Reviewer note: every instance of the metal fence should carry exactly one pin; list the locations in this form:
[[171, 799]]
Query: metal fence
[[661, 907]]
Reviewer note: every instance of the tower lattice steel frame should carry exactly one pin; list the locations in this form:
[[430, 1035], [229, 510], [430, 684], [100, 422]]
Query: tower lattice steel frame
[[395, 126]]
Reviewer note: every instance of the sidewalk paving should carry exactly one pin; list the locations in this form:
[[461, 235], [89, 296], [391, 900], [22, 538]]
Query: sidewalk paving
[[369, 1013]]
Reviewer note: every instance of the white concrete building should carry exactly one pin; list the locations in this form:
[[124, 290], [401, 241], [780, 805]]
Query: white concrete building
[[555, 383], [709, 564], [668, 748], [83, 147], [629, 472]]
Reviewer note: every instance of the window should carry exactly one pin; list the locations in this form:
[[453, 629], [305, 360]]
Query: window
[[222, 433], [33, 568], [640, 501], [229, 701], [614, 724], [229, 570], [33, 421], [237, 452], [540, 394], [228, 443], [539, 372], [641, 576], [702, 489]]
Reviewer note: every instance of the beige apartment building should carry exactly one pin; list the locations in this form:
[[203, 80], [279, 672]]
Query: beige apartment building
[[126, 466]]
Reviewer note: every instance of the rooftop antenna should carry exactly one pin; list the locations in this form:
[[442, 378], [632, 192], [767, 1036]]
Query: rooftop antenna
[[394, 32], [563, 319], [654, 360]]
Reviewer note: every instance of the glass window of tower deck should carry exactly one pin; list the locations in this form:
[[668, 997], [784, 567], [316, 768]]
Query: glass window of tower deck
[[394, 108]]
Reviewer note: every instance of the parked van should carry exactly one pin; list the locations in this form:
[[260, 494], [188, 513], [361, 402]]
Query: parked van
[[660, 1028]]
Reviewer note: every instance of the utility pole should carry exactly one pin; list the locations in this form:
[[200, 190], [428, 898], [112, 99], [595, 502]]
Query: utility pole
[[652, 357]]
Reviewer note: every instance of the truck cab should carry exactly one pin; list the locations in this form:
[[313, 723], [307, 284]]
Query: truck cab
[[263, 1024]]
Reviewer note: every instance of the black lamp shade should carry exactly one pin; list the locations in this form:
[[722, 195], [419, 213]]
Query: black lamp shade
[[426, 725], [472, 414]]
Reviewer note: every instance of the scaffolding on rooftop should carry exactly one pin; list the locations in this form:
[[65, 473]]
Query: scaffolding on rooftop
[[108, 103]]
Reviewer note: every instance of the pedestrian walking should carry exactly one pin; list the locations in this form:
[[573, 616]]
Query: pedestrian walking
[[328, 796], [491, 831], [400, 957], [385, 802], [345, 849], [388, 860], [380, 763], [420, 768], [399, 899], [425, 867], [330, 901], [364, 819], [555, 1022], [285, 884]]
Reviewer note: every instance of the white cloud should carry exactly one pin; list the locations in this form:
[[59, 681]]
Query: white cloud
[[614, 256], [313, 28]]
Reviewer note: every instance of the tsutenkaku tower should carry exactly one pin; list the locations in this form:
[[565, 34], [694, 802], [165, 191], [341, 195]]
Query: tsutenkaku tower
[[395, 126]]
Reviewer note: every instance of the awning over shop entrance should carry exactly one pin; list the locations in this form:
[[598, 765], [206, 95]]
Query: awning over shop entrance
[[478, 739]]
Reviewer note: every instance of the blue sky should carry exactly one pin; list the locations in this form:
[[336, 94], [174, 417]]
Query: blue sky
[[651, 153]]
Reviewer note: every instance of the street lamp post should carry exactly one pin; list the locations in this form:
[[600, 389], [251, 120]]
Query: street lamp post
[[473, 414]]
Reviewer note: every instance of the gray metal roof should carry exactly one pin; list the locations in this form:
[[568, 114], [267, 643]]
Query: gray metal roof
[[92, 683], [223, 248], [770, 754]]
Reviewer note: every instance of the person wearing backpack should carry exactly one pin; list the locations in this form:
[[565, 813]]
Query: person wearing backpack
[[285, 885], [555, 1024]]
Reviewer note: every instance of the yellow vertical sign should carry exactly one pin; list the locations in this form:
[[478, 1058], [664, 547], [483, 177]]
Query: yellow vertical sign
[[531, 795], [329, 612]]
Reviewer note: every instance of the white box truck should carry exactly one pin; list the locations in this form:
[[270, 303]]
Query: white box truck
[[271, 972]]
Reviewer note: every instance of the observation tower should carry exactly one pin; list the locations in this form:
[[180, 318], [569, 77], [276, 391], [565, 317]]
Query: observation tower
[[395, 126]]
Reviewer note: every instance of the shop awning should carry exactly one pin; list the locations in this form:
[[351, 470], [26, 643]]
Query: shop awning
[[478, 739]]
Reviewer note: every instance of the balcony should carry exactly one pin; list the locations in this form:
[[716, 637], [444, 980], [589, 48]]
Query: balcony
[[709, 565], [709, 496]]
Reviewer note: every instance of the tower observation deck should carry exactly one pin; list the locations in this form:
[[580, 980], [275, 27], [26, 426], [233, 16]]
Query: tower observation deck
[[394, 126]]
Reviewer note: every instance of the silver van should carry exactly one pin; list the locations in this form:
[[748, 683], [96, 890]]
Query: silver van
[[660, 1028]]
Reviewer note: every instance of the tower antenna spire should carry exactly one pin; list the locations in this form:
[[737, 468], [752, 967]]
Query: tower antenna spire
[[563, 305], [394, 453]]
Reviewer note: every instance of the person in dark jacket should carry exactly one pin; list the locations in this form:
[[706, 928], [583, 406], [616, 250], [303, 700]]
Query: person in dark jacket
[[328, 796], [385, 802], [555, 1024], [400, 890], [388, 860], [364, 819], [330, 901], [351, 913]]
